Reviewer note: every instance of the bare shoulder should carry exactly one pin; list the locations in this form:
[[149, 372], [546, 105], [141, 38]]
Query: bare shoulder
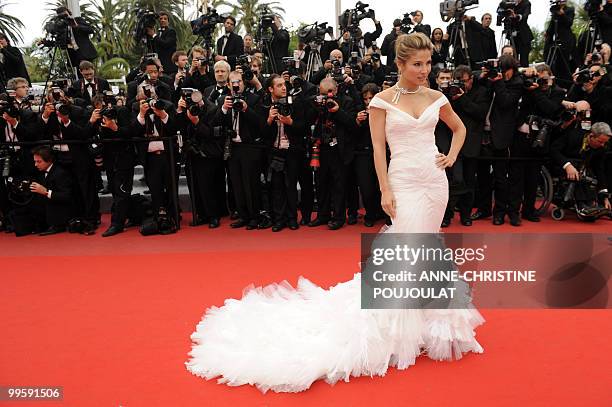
[[386, 95], [434, 94]]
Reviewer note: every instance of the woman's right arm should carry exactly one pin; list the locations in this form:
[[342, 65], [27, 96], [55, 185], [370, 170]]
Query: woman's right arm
[[377, 130]]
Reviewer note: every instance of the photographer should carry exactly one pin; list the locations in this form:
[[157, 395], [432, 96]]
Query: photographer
[[18, 123], [164, 42], [80, 46], [11, 60], [582, 153], [89, 85], [603, 16], [198, 76], [373, 67], [332, 66], [559, 34], [471, 103], [387, 48], [230, 44], [508, 88], [334, 123], [244, 150], [216, 93], [589, 85], [362, 41], [285, 131], [517, 16], [473, 38], [108, 121], [150, 80], [419, 27], [51, 204], [250, 67], [440, 51], [181, 60], [279, 45], [154, 121], [489, 44], [361, 168], [204, 165], [62, 120], [541, 103]]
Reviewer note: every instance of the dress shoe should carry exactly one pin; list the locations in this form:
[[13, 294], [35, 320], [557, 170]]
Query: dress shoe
[[335, 224], [52, 231], [214, 223], [445, 223], [252, 225], [305, 219], [515, 220], [466, 221], [293, 225], [130, 224], [112, 231], [317, 222], [480, 215], [278, 227], [234, 215], [498, 220], [352, 219], [368, 223], [238, 224], [264, 223], [197, 222], [531, 218]]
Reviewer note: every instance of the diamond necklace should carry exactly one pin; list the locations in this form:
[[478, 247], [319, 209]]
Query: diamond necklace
[[403, 91]]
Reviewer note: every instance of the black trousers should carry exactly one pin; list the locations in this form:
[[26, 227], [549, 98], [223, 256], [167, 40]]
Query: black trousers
[[484, 180], [284, 187], [523, 49], [331, 184], [205, 175], [120, 182], [527, 176], [245, 172], [461, 182], [83, 173], [362, 180], [306, 180], [157, 176]]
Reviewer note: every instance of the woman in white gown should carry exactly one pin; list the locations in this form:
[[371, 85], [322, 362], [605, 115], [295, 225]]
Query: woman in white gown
[[283, 339]]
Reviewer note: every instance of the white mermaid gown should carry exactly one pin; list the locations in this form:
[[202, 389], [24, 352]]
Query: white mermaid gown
[[283, 339]]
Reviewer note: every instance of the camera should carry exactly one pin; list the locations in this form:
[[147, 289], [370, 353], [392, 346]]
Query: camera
[[337, 73], [325, 101], [584, 76], [8, 106], [244, 61], [284, 106], [57, 34], [156, 104], [266, 19], [349, 20], [392, 78], [540, 130], [63, 108], [450, 9], [592, 7], [109, 98], [504, 10], [314, 33], [492, 67], [193, 97], [144, 19], [354, 63], [238, 100], [452, 88], [290, 65], [556, 5], [205, 24], [110, 112]]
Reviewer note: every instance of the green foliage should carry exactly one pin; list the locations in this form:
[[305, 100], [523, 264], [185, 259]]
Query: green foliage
[[9, 25], [537, 46]]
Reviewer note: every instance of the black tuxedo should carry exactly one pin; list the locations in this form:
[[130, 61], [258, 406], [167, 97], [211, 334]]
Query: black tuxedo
[[165, 46], [162, 90], [524, 34], [199, 81], [280, 47], [14, 66], [86, 50], [80, 89], [233, 48]]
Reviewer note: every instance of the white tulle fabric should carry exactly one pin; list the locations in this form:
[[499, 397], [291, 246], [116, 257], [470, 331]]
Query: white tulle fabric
[[283, 339]]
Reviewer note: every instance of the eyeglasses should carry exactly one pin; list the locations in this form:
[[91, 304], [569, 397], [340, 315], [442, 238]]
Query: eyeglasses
[[235, 82]]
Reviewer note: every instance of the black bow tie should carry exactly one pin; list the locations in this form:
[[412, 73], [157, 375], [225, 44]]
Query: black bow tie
[[89, 85]]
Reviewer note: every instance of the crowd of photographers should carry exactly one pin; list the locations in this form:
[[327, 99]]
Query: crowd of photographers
[[247, 123]]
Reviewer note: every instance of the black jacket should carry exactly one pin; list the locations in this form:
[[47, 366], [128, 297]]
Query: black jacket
[[14, 65], [296, 133], [201, 137], [522, 11], [86, 50], [280, 47], [423, 28], [58, 209], [544, 104], [79, 91], [505, 111], [345, 126], [472, 108], [233, 48], [165, 46], [600, 100], [250, 122], [489, 44], [164, 130]]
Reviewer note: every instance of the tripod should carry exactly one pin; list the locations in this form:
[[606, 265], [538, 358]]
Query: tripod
[[269, 63], [555, 52], [593, 37], [458, 35], [63, 66], [314, 60], [508, 36]]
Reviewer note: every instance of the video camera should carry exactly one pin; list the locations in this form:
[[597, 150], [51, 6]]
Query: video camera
[[205, 24], [504, 10], [452, 88], [592, 7], [57, 34], [349, 20], [584, 76], [144, 19], [193, 97], [314, 33], [450, 9]]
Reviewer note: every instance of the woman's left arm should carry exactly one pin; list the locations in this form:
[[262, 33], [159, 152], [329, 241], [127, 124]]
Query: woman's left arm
[[454, 123]]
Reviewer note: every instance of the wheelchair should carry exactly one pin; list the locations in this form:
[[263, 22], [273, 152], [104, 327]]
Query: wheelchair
[[565, 200]]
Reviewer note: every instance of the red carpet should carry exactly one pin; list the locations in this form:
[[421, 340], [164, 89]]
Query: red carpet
[[110, 319]]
